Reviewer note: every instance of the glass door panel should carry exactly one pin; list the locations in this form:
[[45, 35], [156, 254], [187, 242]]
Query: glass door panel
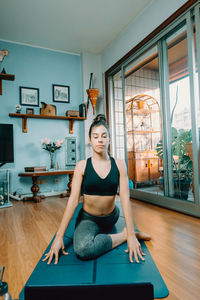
[[143, 122], [180, 116]]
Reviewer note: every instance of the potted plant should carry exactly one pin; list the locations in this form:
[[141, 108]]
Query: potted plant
[[181, 161]]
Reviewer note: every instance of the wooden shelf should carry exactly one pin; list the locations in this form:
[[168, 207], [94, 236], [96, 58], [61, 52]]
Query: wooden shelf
[[142, 111], [142, 131], [4, 76], [26, 116]]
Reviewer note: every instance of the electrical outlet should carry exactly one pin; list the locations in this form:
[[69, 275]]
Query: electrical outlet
[[56, 180]]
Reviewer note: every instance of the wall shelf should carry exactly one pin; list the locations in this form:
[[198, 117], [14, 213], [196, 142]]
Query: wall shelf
[[26, 116], [4, 76]]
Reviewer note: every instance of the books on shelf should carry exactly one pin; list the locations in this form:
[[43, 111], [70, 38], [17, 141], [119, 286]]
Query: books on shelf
[[35, 169]]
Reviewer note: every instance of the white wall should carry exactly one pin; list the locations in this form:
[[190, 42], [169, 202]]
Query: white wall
[[152, 16], [91, 63]]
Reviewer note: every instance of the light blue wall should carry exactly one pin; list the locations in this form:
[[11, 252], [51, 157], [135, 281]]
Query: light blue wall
[[40, 68]]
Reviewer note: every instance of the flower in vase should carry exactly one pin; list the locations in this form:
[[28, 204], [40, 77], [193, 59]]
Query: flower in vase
[[51, 146]]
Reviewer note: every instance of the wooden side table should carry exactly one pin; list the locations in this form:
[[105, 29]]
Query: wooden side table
[[35, 188]]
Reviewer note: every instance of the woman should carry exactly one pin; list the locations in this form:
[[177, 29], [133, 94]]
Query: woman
[[99, 177]]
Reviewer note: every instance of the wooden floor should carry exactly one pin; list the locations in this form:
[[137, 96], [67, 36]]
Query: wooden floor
[[27, 228]]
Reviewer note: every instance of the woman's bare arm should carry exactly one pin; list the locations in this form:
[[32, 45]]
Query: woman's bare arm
[[71, 206], [132, 242]]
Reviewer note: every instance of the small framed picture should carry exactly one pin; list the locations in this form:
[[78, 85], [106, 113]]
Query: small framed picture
[[30, 111], [29, 96], [61, 93]]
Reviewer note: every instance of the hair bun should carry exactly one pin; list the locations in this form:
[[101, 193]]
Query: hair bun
[[99, 118]]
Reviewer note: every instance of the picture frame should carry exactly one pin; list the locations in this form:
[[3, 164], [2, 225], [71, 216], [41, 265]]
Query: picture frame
[[61, 93], [30, 111], [29, 96]]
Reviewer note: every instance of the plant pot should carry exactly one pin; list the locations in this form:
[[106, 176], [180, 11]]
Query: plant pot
[[181, 188]]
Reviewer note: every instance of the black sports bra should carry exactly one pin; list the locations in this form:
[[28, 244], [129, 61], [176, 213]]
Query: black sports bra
[[93, 184]]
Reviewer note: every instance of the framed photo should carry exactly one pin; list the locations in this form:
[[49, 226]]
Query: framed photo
[[30, 111], [61, 93], [29, 96]]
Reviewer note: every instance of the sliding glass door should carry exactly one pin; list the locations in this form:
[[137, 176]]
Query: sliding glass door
[[180, 116], [155, 108]]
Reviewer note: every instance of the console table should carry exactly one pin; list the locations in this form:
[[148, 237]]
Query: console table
[[35, 188]]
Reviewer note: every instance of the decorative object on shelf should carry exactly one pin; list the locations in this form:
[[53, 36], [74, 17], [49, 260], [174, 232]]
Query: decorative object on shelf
[[30, 111], [51, 147], [3, 53], [140, 104], [61, 93], [48, 109], [72, 113], [82, 110], [35, 169], [52, 160], [93, 95], [29, 96], [18, 108]]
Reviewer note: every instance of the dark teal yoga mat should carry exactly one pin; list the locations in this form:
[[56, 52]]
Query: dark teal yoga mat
[[111, 270]]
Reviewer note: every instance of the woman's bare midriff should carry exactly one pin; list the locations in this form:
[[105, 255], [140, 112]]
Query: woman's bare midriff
[[98, 205]]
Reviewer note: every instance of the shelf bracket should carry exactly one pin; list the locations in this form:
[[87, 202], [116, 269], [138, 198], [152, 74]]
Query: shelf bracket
[[24, 125], [4, 76], [0, 86]]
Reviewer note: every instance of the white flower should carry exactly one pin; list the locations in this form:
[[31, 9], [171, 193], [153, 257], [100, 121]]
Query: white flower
[[58, 143], [47, 141]]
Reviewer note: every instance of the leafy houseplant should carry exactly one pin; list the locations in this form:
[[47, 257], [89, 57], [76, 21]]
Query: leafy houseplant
[[181, 162]]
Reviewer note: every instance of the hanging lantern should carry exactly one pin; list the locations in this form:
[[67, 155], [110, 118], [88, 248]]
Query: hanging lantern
[[93, 95]]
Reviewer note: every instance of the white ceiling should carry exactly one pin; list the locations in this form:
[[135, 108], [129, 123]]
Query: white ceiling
[[67, 25]]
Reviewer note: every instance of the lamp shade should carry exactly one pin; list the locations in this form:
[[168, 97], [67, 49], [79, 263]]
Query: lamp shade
[[93, 95]]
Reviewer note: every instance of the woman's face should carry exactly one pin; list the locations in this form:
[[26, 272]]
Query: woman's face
[[99, 139]]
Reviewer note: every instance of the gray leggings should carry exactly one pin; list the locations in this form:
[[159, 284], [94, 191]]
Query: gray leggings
[[91, 237]]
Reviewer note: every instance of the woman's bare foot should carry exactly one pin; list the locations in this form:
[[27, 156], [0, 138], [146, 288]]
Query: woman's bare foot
[[140, 235], [143, 236], [119, 238]]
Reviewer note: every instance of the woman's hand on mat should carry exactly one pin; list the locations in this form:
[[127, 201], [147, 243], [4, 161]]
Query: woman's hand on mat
[[134, 248], [55, 248]]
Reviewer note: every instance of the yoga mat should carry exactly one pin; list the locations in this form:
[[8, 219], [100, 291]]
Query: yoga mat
[[111, 272]]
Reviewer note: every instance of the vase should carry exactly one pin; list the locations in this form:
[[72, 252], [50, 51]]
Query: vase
[[52, 160]]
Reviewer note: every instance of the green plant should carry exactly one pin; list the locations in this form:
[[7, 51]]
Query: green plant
[[181, 162], [182, 166]]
